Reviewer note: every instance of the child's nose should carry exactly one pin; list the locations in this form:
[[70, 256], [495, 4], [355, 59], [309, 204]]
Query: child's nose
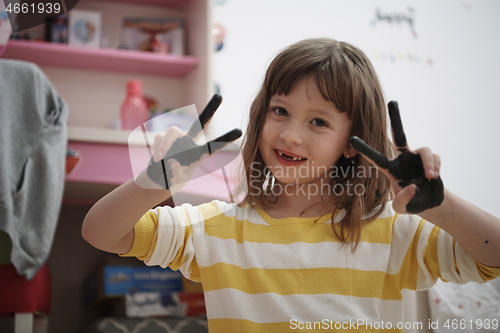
[[292, 134]]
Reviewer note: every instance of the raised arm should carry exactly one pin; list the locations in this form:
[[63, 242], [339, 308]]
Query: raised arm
[[109, 225], [419, 190]]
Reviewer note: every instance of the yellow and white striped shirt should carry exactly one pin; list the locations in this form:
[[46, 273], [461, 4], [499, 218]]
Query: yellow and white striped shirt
[[262, 274]]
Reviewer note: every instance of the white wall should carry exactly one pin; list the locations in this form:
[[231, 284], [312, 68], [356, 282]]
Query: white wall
[[448, 97]]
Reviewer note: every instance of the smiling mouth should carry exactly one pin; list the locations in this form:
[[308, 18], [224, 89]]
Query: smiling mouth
[[290, 158]]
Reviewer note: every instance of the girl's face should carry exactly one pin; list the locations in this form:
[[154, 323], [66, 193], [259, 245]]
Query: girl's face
[[304, 135]]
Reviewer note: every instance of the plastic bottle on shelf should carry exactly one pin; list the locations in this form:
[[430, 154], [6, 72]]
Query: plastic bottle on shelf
[[134, 111]]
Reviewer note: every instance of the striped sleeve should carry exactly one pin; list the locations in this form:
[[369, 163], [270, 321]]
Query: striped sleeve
[[488, 273], [172, 237], [432, 253], [144, 236]]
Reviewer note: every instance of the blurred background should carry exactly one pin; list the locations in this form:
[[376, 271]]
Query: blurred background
[[439, 59]]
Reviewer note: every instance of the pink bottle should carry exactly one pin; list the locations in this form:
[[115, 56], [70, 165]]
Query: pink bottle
[[134, 111]]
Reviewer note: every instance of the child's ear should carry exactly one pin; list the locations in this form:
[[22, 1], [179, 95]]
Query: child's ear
[[350, 152]]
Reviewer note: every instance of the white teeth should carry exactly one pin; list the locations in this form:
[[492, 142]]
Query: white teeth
[[289, 157]]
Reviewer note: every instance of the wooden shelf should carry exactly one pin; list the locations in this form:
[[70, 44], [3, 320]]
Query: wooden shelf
[[106, 59]]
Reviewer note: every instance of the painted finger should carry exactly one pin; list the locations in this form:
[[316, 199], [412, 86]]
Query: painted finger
[[188, 152], [398, 133], [205, 116], [223, 140], [212, 161], [369, 152], [198, 154]]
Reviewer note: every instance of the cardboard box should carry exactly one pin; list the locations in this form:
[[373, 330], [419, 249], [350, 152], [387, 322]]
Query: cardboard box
[[175, 304], [117, 281]]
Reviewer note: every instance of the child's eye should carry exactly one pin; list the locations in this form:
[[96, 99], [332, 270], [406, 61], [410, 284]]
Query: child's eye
[[280, 111], [319, 122]]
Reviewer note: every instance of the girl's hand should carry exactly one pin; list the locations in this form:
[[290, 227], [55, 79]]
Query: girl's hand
[[414, 175], [176, 154]]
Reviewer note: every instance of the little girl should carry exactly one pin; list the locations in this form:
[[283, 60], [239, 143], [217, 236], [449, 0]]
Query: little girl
[[315, 245]]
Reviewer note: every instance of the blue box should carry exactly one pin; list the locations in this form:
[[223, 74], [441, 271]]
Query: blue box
[[116, 281], [120, 280]]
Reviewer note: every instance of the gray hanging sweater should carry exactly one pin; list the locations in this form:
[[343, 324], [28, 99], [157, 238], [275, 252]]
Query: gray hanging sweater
[[32, 159]]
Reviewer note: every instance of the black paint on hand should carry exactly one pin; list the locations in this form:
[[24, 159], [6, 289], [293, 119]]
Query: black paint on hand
[[397, 126], [407, 168], [362, 147], [186, 151]]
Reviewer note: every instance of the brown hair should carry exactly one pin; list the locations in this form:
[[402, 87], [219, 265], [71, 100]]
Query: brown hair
[[344, 76]]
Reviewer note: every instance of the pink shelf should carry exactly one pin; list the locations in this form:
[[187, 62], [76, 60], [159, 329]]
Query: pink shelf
[[104, 166], [61, 55]]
